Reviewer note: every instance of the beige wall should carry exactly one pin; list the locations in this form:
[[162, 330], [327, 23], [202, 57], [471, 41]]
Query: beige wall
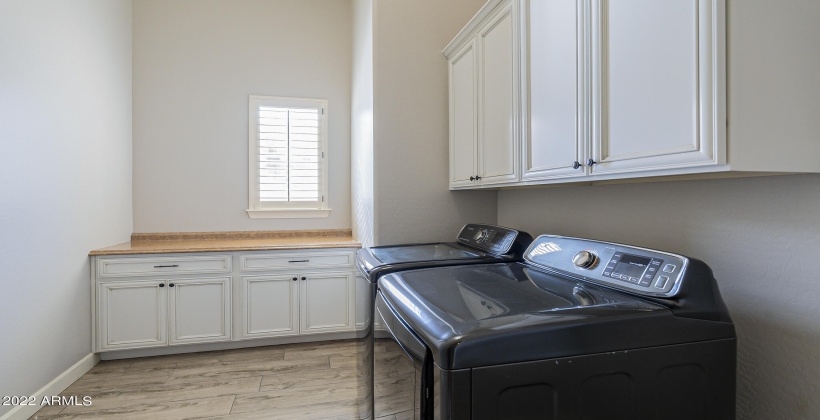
[[761, 236], [195, 63], [65, 175], [412, 200], [361, 122]]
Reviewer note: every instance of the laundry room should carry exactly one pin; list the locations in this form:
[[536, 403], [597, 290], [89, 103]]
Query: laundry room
[[387, 209]]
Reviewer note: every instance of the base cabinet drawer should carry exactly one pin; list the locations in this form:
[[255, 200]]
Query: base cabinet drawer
[[297, 261], [162, 266]]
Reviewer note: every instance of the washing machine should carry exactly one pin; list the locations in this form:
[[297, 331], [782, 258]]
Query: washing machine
[[581, 329]]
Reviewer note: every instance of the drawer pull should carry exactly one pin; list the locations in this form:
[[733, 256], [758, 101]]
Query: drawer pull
[[167, 266], [294, 261]]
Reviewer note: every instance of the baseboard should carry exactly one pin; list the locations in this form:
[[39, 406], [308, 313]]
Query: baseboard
[[55, 387]]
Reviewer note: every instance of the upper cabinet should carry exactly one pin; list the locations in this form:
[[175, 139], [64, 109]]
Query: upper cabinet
[[606, 91], [655, 97], [554, 133], [483, 64]]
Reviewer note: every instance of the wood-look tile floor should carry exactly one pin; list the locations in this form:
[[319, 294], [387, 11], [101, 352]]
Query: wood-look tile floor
[[323, 380]]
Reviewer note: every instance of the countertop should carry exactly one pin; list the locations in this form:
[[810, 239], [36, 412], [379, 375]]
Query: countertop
[[181, 242]]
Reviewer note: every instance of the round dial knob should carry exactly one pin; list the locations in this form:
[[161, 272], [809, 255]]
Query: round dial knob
[[585, 259]]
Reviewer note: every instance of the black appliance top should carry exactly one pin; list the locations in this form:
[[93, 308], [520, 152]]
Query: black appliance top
[[472, 316], [476, 243]]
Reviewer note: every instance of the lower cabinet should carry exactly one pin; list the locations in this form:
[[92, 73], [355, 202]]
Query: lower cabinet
[[145, 301], [285, 304], [152, 313]]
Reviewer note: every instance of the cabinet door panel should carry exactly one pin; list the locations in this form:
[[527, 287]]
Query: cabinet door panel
[[271, 306], [652, 83], [327, 302], [131, 314], [497, 145], [200, 310], [462, 116], [556, 136]]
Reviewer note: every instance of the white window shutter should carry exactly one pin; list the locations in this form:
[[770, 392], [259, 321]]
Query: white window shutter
[[288, 153]]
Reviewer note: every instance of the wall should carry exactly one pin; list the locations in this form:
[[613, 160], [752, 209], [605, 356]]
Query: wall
[[195, 63], [65, 175], [361, 122], [412, 200], [759, 235]]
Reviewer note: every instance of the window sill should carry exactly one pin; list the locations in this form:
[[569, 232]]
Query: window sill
[[287, 213]]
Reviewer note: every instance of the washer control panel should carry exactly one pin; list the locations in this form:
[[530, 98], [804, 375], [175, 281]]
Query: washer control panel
[[492, 239], [644, 271]]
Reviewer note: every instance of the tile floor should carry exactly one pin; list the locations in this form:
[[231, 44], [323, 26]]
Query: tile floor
[[323, 380]]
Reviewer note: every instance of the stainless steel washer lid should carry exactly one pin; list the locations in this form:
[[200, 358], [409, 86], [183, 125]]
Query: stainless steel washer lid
[[472, 316]]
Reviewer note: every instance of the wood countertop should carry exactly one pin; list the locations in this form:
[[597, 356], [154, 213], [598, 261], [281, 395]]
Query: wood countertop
[[182, 242]]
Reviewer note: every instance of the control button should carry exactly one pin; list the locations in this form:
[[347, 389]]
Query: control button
[[661, 282], [668, 268], [585, 259]]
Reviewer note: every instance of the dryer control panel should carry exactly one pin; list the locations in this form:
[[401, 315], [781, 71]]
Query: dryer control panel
[[493, 239], [638, 270]]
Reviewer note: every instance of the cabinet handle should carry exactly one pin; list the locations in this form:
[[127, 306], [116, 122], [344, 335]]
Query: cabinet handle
[[294, 279], [477, 177], [162, 285], [576, 165], [167, 266], [170, 284], [304, 278], [294, 261], [591, 162], [472, 178]]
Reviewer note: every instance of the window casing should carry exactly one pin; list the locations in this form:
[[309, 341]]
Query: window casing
[[287, 146]]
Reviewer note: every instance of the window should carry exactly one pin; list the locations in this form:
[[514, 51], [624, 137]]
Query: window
[[287, 157]]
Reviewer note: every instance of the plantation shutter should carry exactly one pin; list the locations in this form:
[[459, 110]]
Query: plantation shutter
[[290, 153]]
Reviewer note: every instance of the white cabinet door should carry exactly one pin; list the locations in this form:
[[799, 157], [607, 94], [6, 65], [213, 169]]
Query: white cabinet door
[[270, 305], [327, 302], [555, 135], [463, 111], [200, 309], [654, 72], [131, 314], [498, 103]]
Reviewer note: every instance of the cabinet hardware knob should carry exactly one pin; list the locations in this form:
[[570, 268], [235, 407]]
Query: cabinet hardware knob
[[162, 285], [576, 165], [591, 162], [170, 284], [304, 278], [472, 178], [294, 279], [477, 177]]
